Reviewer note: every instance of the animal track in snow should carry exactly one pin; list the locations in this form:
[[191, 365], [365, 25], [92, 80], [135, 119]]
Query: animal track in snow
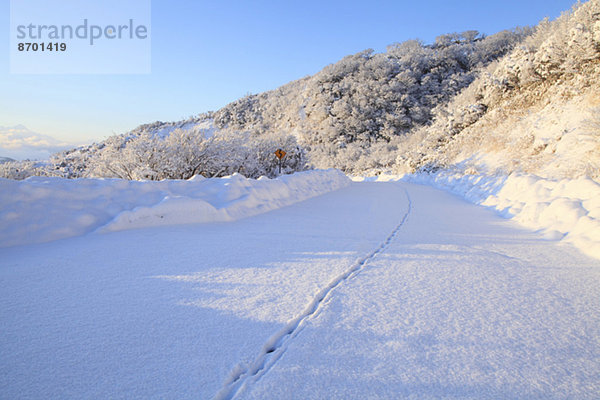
[[241, 377]]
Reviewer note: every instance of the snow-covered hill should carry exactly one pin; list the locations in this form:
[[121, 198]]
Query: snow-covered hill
[[518, 101], [536, 111], [364, 100]]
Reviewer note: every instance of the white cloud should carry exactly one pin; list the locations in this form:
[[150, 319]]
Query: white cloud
[[20, 143]]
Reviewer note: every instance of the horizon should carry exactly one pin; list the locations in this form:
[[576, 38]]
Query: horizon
[[205, 56]]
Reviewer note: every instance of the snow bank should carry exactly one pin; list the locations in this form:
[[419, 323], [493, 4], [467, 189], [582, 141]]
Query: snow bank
[[567, 209], [41, 209]]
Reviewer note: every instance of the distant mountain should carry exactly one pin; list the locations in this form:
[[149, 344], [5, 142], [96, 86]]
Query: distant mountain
[[18, 142], [5, 159]]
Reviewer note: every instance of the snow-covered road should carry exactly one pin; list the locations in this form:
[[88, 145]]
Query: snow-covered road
[[376, 290]]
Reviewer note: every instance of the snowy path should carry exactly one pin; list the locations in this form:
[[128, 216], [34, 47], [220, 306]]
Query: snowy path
[[382, 298], [460, 305], [278, 343]]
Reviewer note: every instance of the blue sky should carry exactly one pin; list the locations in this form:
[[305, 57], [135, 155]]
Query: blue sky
[[207, 54]]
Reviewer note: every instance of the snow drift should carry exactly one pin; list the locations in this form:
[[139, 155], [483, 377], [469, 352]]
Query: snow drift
[[41, 209], [565, 209]]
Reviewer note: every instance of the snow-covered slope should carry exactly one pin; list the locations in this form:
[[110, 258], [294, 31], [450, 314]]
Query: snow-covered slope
[[565, 209], [335, 115], [42, 209], [517, 101], [535, 111]]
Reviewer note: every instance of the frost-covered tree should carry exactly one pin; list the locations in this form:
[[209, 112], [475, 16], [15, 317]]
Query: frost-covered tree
[[515, 102], [356, 114], [20, 170], [182, 154], [368, 98]]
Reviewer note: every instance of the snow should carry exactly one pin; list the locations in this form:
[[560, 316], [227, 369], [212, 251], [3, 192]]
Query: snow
[[459, 304], [308, 285], [554, 140], [168, 312], [165, 129], [41, 209], [563, 209], [374, 290]]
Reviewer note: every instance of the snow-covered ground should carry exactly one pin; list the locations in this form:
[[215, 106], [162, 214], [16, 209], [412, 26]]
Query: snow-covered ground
[[374, 290], [460, 304]]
